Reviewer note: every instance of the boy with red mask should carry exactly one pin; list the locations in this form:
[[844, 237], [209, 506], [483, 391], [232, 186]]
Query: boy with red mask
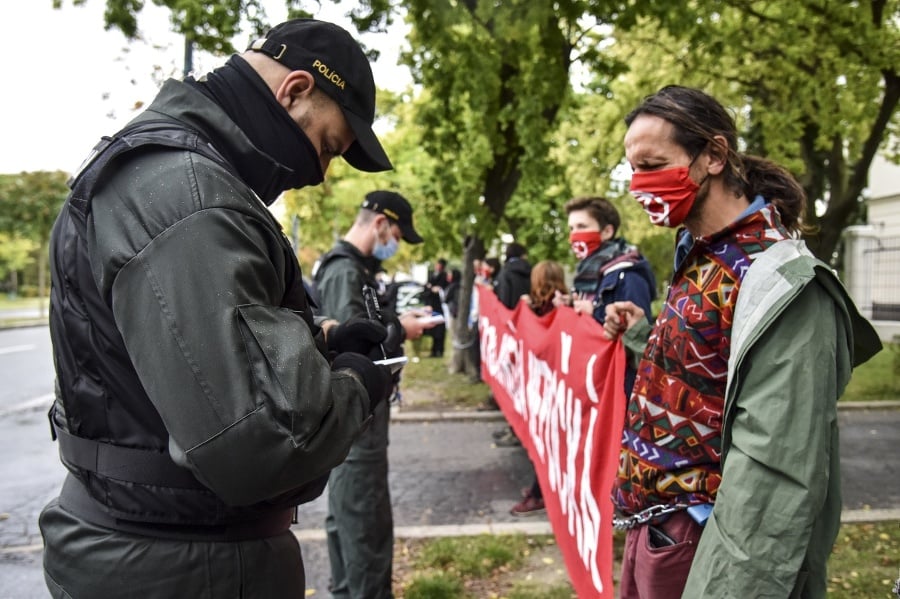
[[609, 269]]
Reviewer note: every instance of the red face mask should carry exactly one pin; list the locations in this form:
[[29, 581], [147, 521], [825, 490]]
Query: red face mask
[[666, 195], [585, 243]]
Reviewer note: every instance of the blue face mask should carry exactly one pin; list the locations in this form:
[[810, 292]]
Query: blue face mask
[[383, 251]]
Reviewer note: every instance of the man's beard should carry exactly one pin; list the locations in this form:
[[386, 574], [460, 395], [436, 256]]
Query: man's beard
[[695, 214]]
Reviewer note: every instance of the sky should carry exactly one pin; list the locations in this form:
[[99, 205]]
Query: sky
[[66, 81]]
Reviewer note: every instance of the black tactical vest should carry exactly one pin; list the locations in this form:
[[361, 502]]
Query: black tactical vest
[[110, 436]]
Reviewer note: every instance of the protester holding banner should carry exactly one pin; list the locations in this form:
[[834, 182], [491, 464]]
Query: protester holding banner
[[548, 279], [485, 275], [734, 406], [609, 269], [513, 280]]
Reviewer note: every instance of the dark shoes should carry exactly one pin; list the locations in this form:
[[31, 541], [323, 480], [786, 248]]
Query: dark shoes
[[500, 432], [529, 506], [508, 439]]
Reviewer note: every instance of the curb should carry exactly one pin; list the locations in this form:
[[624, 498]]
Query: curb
[[497, 415], [870, 515], [890, 404], [446, 416]]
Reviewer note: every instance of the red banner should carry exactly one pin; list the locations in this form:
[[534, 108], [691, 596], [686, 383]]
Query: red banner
[[560, 384]]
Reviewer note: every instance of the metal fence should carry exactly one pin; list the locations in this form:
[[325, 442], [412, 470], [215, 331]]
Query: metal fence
[[872, 274]]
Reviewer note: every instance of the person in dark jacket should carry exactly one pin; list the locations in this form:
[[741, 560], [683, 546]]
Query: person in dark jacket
[[514, 278], [609, 269], [434, 299], [360, 523], [451, 293], [513, 282], [548, 281], [198, 400]]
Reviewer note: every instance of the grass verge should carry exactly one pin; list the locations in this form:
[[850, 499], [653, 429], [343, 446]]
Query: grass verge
[[428, 384], [878, 379], [865, 563]]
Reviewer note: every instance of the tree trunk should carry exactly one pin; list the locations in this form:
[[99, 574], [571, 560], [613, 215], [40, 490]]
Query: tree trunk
[[463, 337]]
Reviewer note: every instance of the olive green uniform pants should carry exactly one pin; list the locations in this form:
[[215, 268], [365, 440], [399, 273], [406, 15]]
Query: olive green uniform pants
[[360, 523]]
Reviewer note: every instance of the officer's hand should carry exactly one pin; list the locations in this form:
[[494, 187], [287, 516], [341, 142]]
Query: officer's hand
[[413, 323], [393, 342], [377, 379], [359, 334]]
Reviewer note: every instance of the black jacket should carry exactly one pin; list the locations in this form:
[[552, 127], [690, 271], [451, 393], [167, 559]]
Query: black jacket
[[513, 281], [184, 346]]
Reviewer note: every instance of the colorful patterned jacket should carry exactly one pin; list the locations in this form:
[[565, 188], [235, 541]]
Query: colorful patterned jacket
[[795, 339]]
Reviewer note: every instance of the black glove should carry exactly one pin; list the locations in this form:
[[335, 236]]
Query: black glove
[[377, 379], [359, 334], [393, 342]]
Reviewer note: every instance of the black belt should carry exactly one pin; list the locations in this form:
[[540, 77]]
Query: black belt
[[126, 464], [75, 499]]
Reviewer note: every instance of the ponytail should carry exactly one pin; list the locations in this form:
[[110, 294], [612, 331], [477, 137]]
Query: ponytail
[[778, 187]]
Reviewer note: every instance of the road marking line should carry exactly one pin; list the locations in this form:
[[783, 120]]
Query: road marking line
[[21, 549], [16, 348], [38, 402]]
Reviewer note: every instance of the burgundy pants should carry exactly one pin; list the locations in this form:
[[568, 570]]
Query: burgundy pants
[[650, 572]]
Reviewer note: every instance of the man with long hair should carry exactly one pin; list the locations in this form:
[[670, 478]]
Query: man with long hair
[[729, 475]]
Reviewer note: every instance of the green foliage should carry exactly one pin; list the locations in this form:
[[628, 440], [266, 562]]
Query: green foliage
[[435, 585], [474, 556], [494, 78], [15, 253], [877, 379], [29, 203], [864, 562], [493, 140], [211, 25], [525, 590], [820, 105]]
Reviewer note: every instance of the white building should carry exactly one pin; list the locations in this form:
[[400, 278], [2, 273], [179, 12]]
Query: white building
[[872, 252]]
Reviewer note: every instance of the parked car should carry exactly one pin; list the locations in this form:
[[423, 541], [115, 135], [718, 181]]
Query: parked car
[[406, 295]]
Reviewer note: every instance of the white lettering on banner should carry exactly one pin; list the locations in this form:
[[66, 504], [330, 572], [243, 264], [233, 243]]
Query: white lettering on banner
[[554, 422], [590, 509], [505, 364], [566, 344], [589, 380], [540, 378]]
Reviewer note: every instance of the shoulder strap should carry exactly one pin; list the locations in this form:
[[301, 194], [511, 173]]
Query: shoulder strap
[[158, 132]]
